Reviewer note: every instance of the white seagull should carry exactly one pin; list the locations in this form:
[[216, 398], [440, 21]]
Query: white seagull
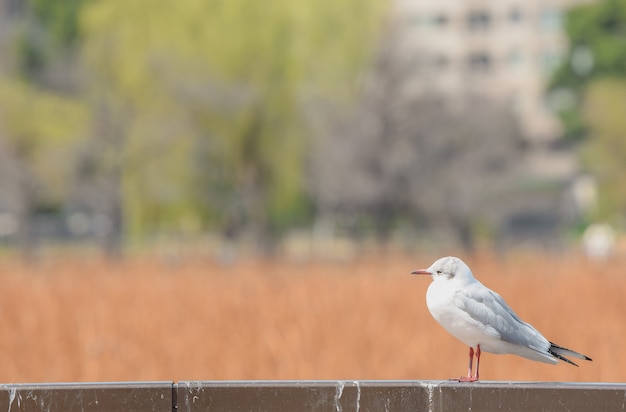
[[480, 318]]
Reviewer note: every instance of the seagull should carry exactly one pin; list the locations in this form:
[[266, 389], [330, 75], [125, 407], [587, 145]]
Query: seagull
[[480, 318]]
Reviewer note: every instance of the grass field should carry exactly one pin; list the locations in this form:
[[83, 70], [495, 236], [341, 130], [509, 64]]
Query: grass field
[[86, 320]]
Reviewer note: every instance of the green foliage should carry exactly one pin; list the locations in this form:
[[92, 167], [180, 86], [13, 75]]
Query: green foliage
[[49, 31], [597, 35], [594, 78], [60, 18], [604, 152], [212, 94], [42, 131]]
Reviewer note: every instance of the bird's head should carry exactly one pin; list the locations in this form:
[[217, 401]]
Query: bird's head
[[449, 268]]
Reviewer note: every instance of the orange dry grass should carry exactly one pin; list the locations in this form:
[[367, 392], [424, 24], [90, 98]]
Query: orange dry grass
[[80, 320]]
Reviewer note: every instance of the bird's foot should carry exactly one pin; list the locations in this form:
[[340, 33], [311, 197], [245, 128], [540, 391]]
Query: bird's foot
[[465, 379]]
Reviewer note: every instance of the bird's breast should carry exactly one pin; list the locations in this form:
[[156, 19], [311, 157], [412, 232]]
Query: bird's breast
[[440, 301]]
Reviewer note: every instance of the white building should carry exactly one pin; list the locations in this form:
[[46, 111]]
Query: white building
[[506, 49]]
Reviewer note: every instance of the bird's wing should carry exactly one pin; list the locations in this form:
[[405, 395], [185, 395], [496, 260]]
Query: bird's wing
[[497, 318]]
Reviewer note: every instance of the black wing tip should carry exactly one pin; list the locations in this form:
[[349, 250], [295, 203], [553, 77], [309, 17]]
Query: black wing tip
[[555, 353], [563, 358]]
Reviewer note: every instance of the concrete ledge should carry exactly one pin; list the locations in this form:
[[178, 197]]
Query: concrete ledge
[[363, 396], [290, 396], [114, 396]]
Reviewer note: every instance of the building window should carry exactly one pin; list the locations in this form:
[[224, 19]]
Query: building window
[[434, 63], [432, 20], [478, 63], [478, 20], [515, 16], [551, 20], [440, 20]]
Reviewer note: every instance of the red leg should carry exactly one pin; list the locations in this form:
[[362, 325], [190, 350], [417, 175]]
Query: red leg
[[469, 377], [471, 361], [477, 360]]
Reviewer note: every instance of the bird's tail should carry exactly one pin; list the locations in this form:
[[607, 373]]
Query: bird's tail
[[560, 352]]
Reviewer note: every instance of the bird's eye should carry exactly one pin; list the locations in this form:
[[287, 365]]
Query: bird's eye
[[439, 272]]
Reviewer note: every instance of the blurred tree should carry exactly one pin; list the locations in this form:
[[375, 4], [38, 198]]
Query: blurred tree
[[597, 36], [45, 43], [604, 152], [404, 154], [207, 96], [59, 18], [39, 133], [42, 121], [586, 92]]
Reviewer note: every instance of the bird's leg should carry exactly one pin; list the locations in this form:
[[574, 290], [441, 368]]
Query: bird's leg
[[471, 361], [469, 377], [477, 361]]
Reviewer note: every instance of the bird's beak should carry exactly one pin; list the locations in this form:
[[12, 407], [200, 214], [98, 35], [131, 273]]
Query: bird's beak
[[421, 272]]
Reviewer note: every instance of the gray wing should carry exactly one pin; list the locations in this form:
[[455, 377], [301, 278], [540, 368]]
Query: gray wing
[[488, 308]]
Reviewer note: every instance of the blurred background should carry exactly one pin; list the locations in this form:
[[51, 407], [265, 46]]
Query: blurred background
[[300, 126], [203, 134]]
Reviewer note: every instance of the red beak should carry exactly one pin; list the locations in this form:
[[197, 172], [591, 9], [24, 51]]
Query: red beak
[[421, 272]]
